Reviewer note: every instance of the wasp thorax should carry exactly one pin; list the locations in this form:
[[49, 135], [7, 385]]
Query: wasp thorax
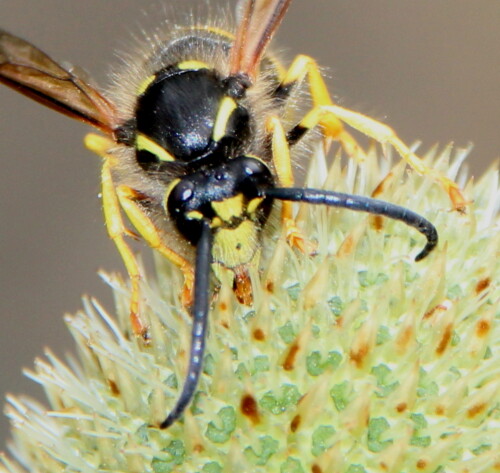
[[226, 195], [187, 115]]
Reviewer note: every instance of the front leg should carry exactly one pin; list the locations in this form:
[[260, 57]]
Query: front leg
[[117, 230], [129, 199], [113, 199], [283, 166]]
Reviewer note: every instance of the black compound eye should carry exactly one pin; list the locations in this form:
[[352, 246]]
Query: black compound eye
[[180, 199], [252, 176], [182, 192], [182, 202]]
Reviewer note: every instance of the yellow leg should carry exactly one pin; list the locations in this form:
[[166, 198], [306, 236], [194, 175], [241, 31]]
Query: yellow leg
[[330, 117], [117, 230], [305, 66], [283, 167], [128, 200], [385, 136]]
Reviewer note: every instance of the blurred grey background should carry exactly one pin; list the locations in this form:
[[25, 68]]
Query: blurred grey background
[[430, 69]]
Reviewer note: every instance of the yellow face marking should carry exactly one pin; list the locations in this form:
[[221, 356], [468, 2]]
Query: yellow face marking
[[227, 107], [142, 142], [228, 208], [194, 215], [236, 246], [254, 204], [192, 65], [216, 222], [145, 84]]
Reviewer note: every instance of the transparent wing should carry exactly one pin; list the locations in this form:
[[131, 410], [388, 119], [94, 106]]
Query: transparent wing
[[31, 72], [259, 20]]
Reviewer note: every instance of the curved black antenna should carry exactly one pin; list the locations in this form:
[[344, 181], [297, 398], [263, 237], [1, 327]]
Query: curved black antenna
[[200, 318], [362, 204]]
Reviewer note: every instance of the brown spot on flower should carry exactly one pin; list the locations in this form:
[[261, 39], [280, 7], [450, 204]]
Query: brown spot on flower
[[421, 464], [383, 466], [405, 337], [358, 356], [223, 306], [347, 246], [440, 410], [248, 406], [475, 410], [198, 448], [382, 185], [482, 285], [270, 286], [259, 335], [114, 387], [401, 407], [225, 324], [377, 222], [445, 340], [316, 469], [440, 307], [289, 362], [482, 328], [294, 425]]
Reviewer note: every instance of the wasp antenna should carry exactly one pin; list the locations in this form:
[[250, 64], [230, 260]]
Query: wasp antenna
[[200, 318], [361, 204]]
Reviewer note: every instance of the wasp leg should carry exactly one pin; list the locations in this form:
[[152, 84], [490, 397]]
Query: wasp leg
[[330, 117], [113, 198], [128, 199], [305, 66], [116, 229], [385, 136], [283, 166]]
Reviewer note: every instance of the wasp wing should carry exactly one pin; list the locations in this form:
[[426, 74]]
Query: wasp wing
[[31, 72], [259, 21]]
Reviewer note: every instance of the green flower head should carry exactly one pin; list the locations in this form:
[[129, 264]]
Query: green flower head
[[354, 360]]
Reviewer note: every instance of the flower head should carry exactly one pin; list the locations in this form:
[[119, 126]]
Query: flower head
[[357, 359]]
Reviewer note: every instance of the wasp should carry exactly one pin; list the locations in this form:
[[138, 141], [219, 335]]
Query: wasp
[[196, 153]]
